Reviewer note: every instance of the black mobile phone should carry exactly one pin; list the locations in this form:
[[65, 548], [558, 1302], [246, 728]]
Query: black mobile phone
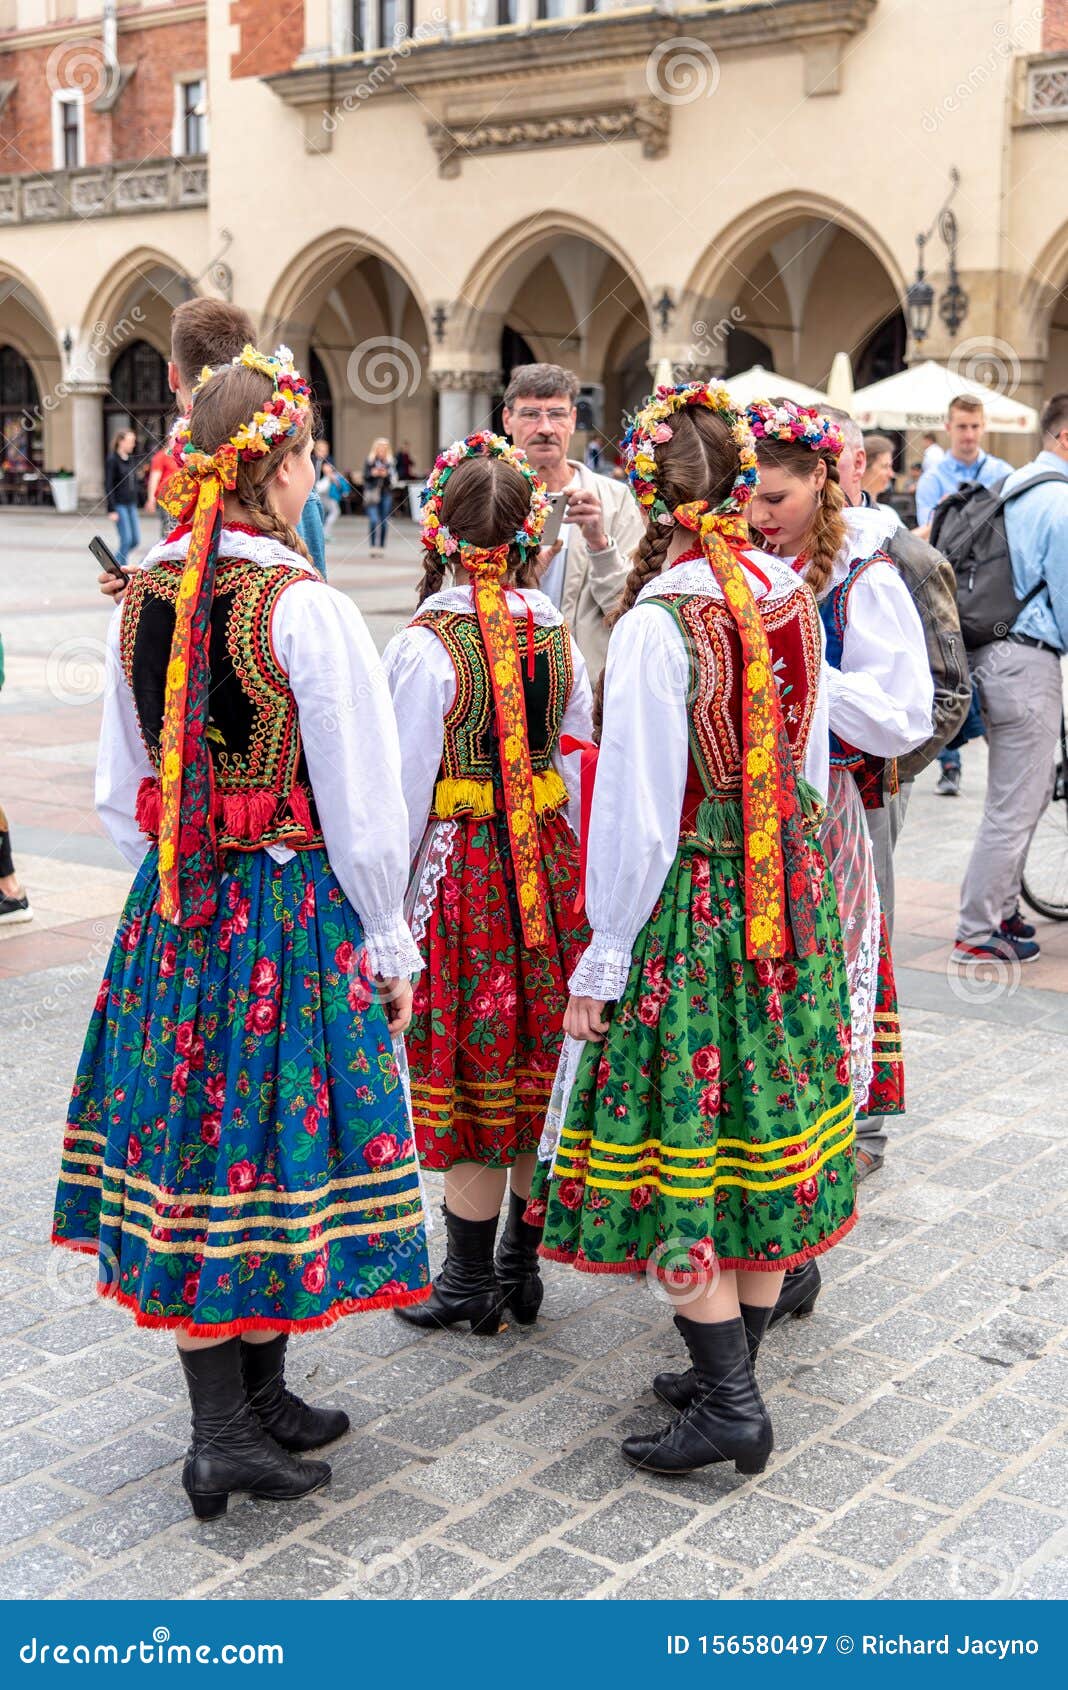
[[106, 558]]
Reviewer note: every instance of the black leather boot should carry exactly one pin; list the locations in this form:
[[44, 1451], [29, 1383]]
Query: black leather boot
[[292, 1423], [678, 1390], [466, 1288], [799, 1291], [230, 1449], [727, 1420], [517, 1263]]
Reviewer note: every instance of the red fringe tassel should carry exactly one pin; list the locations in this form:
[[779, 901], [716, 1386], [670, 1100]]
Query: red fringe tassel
[[726, 1264]]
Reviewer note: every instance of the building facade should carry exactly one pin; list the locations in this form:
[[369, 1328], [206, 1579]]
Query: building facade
[[417, 194]]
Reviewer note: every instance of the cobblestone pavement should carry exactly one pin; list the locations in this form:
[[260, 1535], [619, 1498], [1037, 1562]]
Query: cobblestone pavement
[[920, 1415]]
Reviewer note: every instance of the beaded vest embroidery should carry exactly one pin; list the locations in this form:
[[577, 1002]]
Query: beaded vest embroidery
[[262, 794], [872, 774], [467, 774]]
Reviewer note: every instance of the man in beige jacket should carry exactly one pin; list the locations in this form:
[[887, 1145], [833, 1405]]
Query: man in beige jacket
[[585, 571]]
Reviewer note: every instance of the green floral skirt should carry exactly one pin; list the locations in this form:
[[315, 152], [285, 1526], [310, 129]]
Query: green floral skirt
[[714, 1124]]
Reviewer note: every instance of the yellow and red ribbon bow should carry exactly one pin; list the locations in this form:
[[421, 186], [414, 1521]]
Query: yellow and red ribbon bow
[[487, 566], [762, 793], [188, 868]]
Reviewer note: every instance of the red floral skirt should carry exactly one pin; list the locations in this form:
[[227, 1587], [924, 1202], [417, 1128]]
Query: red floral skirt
[[887, 1094], [488, 1013]]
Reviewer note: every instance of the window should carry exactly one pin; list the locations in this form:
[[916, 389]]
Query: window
[[190, 117], [380, 24], [68, 131], [507, 12], [566, 8]]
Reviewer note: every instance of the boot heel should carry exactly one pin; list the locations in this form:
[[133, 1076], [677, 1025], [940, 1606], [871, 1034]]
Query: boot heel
[[750, 1464], [489, 1323], [208, 1505], [803, 1310]]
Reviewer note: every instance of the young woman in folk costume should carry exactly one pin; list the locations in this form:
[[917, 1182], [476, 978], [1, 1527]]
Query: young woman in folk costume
[[708, 1132], [238, 1150], [880, 695], [486, 680]]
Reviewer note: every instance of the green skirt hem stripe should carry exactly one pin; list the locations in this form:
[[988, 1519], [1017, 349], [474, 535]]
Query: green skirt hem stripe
[[725, 1264]]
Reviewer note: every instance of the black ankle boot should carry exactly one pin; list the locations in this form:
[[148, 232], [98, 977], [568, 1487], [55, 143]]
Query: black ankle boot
[[466, 1288], [230, 1449], [799, 1291], [517, 1263], [727, 1420], [678, 1390], [292, 1423]]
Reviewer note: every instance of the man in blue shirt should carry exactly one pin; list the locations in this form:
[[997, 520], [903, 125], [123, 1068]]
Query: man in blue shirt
[[965, 460], [1019, 683]]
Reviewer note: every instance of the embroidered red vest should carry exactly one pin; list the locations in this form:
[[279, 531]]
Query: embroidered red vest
[[468, 779], [793, 628], [262, 792]]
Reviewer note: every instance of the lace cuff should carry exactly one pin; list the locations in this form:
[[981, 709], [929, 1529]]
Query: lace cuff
[[603, 968], [391, 951]]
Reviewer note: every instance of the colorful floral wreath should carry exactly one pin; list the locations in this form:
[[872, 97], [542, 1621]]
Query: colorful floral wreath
[[783, 420], [435, 536], [650, 428], [284, 413]]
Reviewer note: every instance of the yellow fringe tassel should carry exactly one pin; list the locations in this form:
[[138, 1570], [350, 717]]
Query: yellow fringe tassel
[[475, 797]]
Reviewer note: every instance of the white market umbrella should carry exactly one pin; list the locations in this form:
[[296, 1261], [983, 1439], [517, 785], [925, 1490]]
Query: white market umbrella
[[840, 382], [759, 383], [918, 398]]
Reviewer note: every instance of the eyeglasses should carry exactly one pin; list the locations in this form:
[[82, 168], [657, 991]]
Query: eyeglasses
[[529, 414]]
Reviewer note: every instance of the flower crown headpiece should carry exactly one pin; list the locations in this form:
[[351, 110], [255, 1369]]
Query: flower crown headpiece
[[283, 414], [436, 537], [783, 420], [649, 428]]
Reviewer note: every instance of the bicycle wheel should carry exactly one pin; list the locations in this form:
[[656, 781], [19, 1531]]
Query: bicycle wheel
[[1045, 877]]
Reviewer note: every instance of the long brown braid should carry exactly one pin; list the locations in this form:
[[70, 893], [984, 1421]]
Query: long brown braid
[[828, 532], [700, 461], [485, 500]]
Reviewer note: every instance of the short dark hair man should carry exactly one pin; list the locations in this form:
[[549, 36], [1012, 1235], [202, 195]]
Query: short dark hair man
[[1019, 682], [585, 573], [965, 460]]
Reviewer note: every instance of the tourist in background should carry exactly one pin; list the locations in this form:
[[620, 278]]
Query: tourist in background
[[379, 480]]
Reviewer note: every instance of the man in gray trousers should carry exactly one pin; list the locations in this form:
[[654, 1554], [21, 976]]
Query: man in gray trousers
[[1019, 682]]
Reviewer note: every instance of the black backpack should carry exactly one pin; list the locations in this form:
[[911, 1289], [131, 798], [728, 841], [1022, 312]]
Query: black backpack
[[968, 527]]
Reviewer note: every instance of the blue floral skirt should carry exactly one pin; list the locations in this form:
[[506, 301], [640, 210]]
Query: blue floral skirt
[[238, 1151]]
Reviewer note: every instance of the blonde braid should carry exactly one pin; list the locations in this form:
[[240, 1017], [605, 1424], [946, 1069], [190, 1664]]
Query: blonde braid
[[828, 532], [435, 570]]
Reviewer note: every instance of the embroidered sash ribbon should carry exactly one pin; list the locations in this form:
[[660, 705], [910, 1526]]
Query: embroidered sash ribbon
[[763, 733], [487, 568], [188, 866]]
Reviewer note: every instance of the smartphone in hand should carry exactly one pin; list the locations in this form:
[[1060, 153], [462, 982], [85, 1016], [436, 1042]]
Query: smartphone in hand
[[554, 520], [107, 560]]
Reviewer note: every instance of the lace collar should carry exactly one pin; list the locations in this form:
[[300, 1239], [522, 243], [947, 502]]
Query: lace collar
[[234, 542], [461, 601], [695, 576]]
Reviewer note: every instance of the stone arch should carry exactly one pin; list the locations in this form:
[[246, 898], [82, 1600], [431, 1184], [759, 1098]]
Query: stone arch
[[133, 301], [26, 326]]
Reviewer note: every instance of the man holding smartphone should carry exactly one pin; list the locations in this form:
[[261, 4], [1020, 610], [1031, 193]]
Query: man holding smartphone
[[585, 569]]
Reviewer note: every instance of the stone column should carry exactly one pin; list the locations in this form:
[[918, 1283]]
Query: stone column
[[465, 399], [87, 430]]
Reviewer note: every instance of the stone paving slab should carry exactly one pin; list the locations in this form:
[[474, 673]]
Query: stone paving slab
[[921, 1413]]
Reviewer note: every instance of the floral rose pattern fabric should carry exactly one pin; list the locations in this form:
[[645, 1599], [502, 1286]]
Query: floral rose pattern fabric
[[238, 1151], [488, 1018], [715, 1122]]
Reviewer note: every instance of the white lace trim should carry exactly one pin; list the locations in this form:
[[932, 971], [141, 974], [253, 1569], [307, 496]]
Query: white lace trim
[[461, 601], [603, 967], [845, 839], [564, 1084], [391, 950], [695, 576], [431, 867], [868, 528], [233, 542]]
